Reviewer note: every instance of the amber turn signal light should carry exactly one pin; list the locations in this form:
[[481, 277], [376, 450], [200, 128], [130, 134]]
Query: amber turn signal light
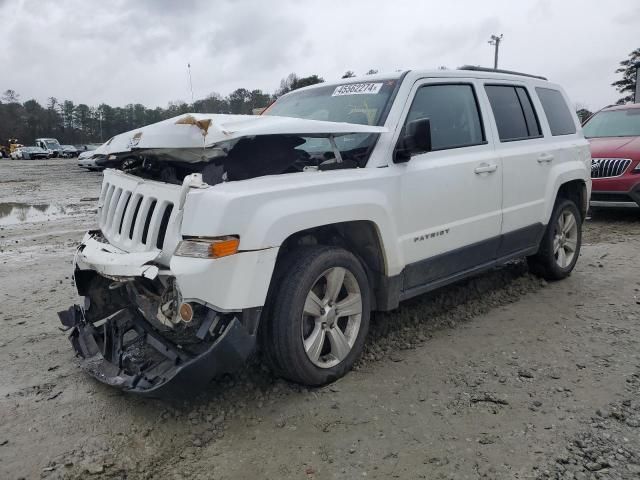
[[222, 248], [214, 247]]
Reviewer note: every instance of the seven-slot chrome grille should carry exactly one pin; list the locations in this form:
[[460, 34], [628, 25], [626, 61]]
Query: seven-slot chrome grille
[[608, 167], [135, 215]]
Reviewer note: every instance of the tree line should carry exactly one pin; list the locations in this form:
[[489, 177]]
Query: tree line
[[78, 124], [81, 123]]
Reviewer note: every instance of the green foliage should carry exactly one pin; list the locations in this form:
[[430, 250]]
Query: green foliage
[[293, 82], [583, 114], [627, 84], [80, 124]]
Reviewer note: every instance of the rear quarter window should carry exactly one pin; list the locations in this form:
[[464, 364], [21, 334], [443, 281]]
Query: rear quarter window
[[557, 112]]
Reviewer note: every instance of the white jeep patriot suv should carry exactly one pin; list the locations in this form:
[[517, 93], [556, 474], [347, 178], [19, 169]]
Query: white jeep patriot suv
[[221, 232]]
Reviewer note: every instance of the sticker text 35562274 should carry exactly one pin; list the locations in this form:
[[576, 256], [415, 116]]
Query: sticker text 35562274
[[357, 89]]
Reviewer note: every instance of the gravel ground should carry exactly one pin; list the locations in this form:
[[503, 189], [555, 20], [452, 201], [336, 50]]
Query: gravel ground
[[503, 376]]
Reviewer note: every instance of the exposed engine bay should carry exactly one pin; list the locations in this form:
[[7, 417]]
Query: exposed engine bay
[[237, 147]]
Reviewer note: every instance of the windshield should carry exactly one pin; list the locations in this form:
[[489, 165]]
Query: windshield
[[52, 143], [363, 103], [614, 123]]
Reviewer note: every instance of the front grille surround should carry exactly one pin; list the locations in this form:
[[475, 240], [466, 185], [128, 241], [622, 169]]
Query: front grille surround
[[609, 167], [136, 215]]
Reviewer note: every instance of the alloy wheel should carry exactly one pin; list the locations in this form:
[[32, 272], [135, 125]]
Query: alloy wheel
[[565, 239], [331, 317]]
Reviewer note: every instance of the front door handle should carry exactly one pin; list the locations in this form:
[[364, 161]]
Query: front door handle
[[545, 158], [485, 168]]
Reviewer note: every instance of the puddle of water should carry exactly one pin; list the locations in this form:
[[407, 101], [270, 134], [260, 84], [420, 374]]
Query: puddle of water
[[12, 213]]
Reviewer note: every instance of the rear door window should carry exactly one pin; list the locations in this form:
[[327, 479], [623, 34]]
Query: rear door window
[[533, 126], [514, 113], [557, 112]]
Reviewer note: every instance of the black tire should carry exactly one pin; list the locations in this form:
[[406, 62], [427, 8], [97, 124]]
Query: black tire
[[544, 263], [282, 328]]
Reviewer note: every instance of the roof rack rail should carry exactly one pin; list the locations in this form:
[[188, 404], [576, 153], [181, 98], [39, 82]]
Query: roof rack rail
[[497, 70]]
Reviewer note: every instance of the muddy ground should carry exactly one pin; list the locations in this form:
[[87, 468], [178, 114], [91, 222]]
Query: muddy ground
[[504, 376]]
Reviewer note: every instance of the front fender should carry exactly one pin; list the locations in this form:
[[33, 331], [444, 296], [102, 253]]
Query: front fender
[[265, 211], [231, 283], [320, 210]]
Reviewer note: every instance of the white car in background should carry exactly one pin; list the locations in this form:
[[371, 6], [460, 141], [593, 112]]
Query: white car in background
[[29, 153], [69, 151], [87, 159]]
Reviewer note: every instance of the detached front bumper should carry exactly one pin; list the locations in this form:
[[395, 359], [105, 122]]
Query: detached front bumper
[[127, 353], [226, 284], [130, 334]]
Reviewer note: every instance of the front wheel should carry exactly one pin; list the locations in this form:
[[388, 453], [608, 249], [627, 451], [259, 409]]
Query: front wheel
[[318, 317], [560, 245]]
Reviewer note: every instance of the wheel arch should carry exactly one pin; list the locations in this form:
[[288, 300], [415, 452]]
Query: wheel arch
[[360, 237], [576, 191]]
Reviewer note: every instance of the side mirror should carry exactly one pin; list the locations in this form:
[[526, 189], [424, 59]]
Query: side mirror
[[417, 137]]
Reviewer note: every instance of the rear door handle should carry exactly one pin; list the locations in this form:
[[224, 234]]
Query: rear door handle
[[485, 168], [545, 158]]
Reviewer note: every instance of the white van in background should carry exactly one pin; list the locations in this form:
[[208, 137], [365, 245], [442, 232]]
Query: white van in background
[[51, 145]]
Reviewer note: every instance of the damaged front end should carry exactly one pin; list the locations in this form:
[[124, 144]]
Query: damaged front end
[[136, 329], [157, 317], [137, 335]]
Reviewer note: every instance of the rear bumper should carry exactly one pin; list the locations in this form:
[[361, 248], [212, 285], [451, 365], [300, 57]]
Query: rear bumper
[[127, 353]]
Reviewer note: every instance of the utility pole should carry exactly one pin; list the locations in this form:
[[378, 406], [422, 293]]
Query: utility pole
[[495, 40], [190, 83], [636, 96]]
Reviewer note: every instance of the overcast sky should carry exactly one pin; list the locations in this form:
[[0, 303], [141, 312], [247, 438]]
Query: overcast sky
[[122, 52]]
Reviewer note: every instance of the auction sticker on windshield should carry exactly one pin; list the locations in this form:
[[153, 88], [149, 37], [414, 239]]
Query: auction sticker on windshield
[[357, 89]]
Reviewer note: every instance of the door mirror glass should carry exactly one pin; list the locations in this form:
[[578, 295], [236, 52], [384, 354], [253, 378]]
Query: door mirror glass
[[417, 138], [419, 132]]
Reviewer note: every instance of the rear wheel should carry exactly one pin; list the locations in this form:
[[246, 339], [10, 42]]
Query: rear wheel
[[319, 316], [560, 245]]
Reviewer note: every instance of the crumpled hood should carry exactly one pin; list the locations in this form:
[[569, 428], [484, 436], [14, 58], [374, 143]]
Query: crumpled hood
[[201, 130]]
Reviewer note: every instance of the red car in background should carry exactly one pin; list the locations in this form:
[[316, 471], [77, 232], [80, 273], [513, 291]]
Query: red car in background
[[614, 133]]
